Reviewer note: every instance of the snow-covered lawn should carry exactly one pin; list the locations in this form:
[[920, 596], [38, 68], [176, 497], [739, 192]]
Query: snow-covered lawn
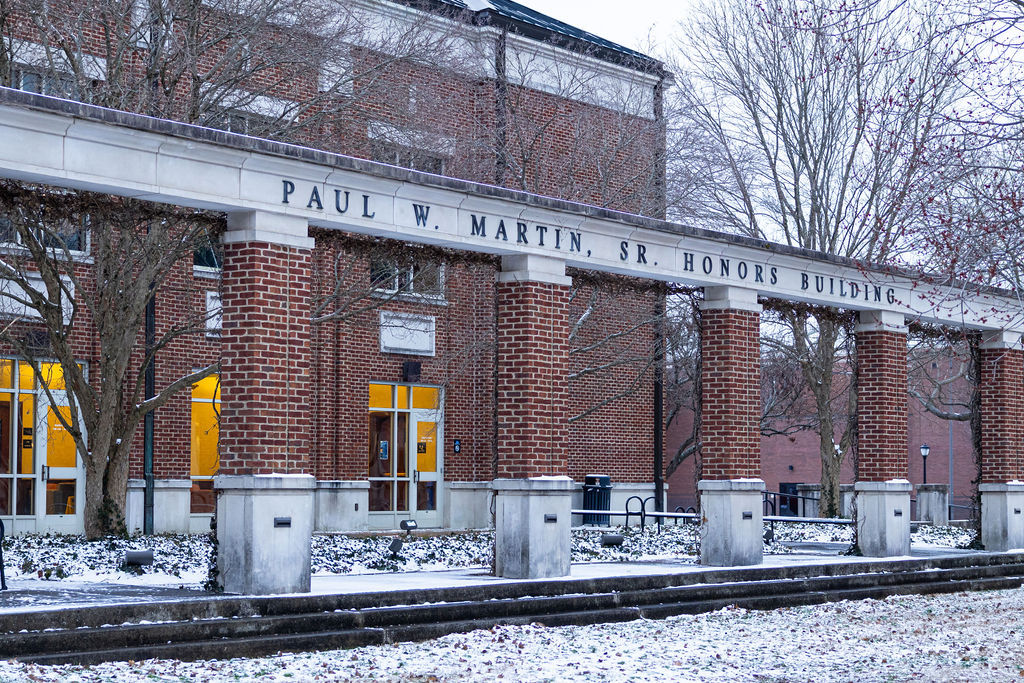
[[183, 560], [961, 637]]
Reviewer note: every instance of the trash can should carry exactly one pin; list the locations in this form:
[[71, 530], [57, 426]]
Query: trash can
[[597, 495]]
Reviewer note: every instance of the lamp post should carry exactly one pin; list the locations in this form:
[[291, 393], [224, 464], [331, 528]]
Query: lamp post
[[925, 450]]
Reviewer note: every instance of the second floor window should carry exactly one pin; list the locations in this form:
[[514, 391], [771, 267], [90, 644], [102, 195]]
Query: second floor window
[[72, 235], [407, 157], [38, 81], [420, 279]]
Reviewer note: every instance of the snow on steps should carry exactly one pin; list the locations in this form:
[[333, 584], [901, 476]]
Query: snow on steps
[[225, 627]]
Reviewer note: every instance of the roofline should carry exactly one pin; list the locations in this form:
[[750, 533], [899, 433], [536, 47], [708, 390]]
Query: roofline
[[623, 56]]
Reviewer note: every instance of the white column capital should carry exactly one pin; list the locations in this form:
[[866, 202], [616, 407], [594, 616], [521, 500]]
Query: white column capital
[[726, 297], [1001, 339], [533, 268], [881, 321], [263, 226]]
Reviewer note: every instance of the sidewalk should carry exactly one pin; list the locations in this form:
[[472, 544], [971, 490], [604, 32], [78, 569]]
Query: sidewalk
[[32, 595]]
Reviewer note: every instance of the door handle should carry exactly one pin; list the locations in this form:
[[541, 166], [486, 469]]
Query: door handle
[[46, 472], [416, 476]]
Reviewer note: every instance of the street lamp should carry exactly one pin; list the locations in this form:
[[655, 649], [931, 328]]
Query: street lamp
[[925, 450]]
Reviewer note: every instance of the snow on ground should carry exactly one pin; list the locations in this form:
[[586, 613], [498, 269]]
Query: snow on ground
[[182, 560], [974, 637]]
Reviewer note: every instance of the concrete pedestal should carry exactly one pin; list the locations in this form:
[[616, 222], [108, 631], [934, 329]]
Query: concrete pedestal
[[264, 527], [731, 522], [883, 517], [531, 534], [1002, 516], [933, 504]]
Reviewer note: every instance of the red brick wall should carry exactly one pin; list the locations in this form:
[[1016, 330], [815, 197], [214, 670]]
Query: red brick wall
[[611, 428], [347, 358], [1002, 414], [882, 405], [265, 384], [532, 379], [731, 386]]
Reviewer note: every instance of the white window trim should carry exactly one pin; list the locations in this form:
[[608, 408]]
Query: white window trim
[[36, 55]]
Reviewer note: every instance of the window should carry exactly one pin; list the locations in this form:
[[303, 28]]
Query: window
[[240, 122], [39, 81], [205, 434], [408, 157], [425, 279], [213, 313], [73, 235], [208, 258]]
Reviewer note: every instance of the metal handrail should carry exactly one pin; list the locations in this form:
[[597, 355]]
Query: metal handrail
[[3, 577]]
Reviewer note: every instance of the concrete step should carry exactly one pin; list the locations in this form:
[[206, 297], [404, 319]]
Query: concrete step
[[274, 624]]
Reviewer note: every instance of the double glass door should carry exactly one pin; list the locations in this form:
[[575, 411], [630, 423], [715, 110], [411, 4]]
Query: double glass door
[[41, 477], [404, 454]]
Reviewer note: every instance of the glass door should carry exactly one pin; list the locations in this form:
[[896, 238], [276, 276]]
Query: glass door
[[404, 455], [61, 479], [427, 475]]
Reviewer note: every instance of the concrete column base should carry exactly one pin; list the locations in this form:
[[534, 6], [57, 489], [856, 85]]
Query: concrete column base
[[172, 502], [883, 517], [531, 527], [731, 522], [341, 505], [264, 527], [846, 500], [468, 505], [1002, 516], [933, 504]]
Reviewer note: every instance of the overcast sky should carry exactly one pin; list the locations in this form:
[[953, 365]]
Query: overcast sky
[[621, 21]]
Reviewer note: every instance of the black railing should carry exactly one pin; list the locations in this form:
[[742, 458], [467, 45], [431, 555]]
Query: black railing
[[3, 577]]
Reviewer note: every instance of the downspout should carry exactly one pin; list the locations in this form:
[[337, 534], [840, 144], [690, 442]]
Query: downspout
[[147, 465], [659, 410], [500, 109]]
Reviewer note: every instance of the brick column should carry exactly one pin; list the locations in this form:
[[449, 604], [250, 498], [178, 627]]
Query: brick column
[[1001, 382], [533, 492], [882, 488], [731, 484], [265, 491]]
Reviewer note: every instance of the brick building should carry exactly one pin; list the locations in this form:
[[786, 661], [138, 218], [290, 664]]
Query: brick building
[[401, 417]]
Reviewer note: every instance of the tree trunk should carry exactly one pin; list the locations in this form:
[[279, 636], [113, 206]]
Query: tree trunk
[[828, 504]]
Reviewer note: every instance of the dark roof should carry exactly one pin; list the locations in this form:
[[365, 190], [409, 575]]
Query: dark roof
[[531, 23]]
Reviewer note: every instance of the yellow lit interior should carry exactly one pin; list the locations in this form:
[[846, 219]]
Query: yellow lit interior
[[53, 375], [60, 446], [426, 434], [205, 430], [427, 398], [26, 377], [6, 374], [26, 404], [207, 389], [380, 396]]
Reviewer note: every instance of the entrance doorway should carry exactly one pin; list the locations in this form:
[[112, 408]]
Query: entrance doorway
[[405, 455], [41, 476]]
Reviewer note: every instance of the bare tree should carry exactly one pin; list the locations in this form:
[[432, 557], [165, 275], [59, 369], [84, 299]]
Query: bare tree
[[59, 304], [822, 128]]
